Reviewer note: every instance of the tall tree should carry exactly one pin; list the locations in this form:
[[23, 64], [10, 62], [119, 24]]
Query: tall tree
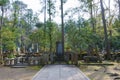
[[18, 8], [2, 4], [119, 8], [50, 26], [88, 4], [51, 12], [29, 19], [105, 30], [62, 21], [91, 13], [45, 6]]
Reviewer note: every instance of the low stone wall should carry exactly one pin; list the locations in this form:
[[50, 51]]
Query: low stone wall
[[40, 60]]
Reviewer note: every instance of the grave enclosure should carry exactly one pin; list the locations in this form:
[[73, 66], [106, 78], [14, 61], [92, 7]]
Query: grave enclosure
[[43, 58]]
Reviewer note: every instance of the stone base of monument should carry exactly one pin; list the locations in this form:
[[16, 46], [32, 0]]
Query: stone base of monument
[[59, 58], [20, 65]]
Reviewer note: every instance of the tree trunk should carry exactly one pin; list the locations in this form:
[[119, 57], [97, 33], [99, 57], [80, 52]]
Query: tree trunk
[[91, 13], [105, 31], [1, 25], [119, 9], [15, 18], [110, 31], [109, 10], [62, 20], [50, 26], [45, 25]]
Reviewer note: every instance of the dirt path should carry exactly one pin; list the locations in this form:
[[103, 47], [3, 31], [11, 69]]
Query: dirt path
[[7, 73]]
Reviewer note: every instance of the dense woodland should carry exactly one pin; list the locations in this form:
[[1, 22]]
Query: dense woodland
[[20, 27]]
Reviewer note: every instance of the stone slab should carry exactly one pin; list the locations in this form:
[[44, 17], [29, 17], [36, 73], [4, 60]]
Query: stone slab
[[60, 72]]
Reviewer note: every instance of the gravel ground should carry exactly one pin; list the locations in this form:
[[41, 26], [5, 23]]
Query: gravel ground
[[7, 73], [99, 73]]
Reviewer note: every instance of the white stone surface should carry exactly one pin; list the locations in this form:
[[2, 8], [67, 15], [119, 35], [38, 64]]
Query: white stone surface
[[60, 72]]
